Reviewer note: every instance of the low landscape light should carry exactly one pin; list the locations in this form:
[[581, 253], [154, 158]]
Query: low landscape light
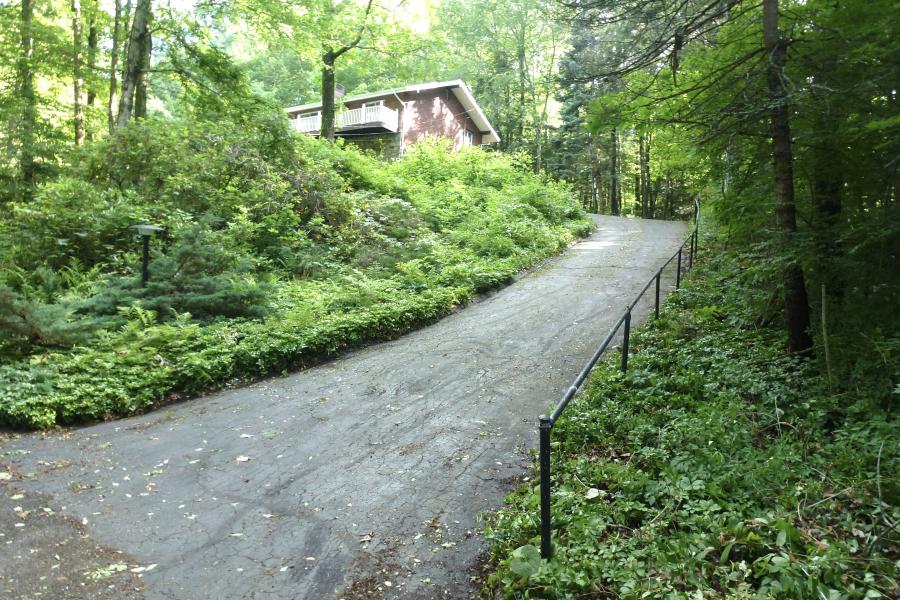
[[146, 231]]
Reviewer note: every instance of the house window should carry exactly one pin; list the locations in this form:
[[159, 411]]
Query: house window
[[309, 115], [469, 137], [373, 104]]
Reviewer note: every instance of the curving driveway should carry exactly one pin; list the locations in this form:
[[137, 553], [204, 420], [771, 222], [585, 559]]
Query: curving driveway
[[360, 478]]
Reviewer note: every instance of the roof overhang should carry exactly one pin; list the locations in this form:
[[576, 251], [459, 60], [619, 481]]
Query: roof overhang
[[457, 86]]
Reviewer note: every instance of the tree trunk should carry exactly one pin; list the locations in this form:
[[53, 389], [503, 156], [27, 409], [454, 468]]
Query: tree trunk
[[828, 182], [140, 90], [640, 195], [140, 30], [796, 303], [520, 60], [505, 141], [620, 203], [25, 76], [667, 199], [328, 60], [637, 195], [113, 66], [604, 196], [92, 42], [646, 212], [77, 76], [594, 173], [615, 194], [126, 31]]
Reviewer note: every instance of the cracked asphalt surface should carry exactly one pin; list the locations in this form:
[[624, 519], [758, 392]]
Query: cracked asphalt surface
[[360, 478]]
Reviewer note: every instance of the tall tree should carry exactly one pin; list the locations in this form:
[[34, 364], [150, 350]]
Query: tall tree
[[615, 185], [25, 76], [330, 54], [111, 102], [143, 80], [138, 43], [77, 75], [92, 42], [796, 302]]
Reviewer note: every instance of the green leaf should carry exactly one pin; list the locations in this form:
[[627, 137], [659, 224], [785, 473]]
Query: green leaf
[[526, 561], [781, 539], [726, 551]]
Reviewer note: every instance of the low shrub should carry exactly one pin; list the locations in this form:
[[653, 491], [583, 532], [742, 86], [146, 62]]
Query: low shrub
[[718, 467], [280, 250]]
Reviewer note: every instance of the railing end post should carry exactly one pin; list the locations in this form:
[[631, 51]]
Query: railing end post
[[546, 424]]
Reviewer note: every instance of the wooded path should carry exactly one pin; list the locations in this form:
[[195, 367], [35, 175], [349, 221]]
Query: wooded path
[[334, 481]]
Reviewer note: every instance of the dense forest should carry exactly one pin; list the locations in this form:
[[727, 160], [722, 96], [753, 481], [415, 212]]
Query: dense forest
[[276, 249]]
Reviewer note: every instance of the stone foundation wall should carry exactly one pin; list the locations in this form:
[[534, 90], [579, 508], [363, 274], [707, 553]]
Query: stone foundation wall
[[385, 145]]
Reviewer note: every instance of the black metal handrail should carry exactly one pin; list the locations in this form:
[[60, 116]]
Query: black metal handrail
[[546, 423]]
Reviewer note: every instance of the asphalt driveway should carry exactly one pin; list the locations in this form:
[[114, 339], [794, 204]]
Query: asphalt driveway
[[359, 478]]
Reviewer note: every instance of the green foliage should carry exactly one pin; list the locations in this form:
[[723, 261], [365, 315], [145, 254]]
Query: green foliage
[[199, 274], [718, 467], [70, 220], [279, 249], [25, 323]]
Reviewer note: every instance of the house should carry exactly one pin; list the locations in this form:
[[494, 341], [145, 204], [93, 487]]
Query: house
[[389, 121]]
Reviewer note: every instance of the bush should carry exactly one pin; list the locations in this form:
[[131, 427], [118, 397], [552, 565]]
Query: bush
[[27, 323], [199, 274], [72, 221], [283, 249]]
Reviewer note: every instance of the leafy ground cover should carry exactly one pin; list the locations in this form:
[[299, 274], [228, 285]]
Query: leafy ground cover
[[718, 467], [280, 249]]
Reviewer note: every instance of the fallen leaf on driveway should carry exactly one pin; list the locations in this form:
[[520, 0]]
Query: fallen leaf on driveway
[[143, 569]]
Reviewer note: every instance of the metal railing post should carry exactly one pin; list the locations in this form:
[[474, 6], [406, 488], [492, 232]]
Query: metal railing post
[[545, 426], [658, 276], [627, 337], [691, 257], [678, 270]]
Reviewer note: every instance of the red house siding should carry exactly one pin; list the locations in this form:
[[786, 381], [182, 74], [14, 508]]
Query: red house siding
[[437, 113]]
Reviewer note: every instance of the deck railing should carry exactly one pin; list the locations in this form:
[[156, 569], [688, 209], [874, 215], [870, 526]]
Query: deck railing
[[379, 116], [308, 123]]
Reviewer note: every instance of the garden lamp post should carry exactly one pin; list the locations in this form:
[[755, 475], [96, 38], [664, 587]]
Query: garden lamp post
[[146, 231]]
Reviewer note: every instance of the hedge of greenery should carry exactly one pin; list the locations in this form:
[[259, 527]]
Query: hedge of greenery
[[280, 250], [719, 467]]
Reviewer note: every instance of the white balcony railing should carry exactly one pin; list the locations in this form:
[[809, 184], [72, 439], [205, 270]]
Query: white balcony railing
[[366, 116], [308, 123]]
